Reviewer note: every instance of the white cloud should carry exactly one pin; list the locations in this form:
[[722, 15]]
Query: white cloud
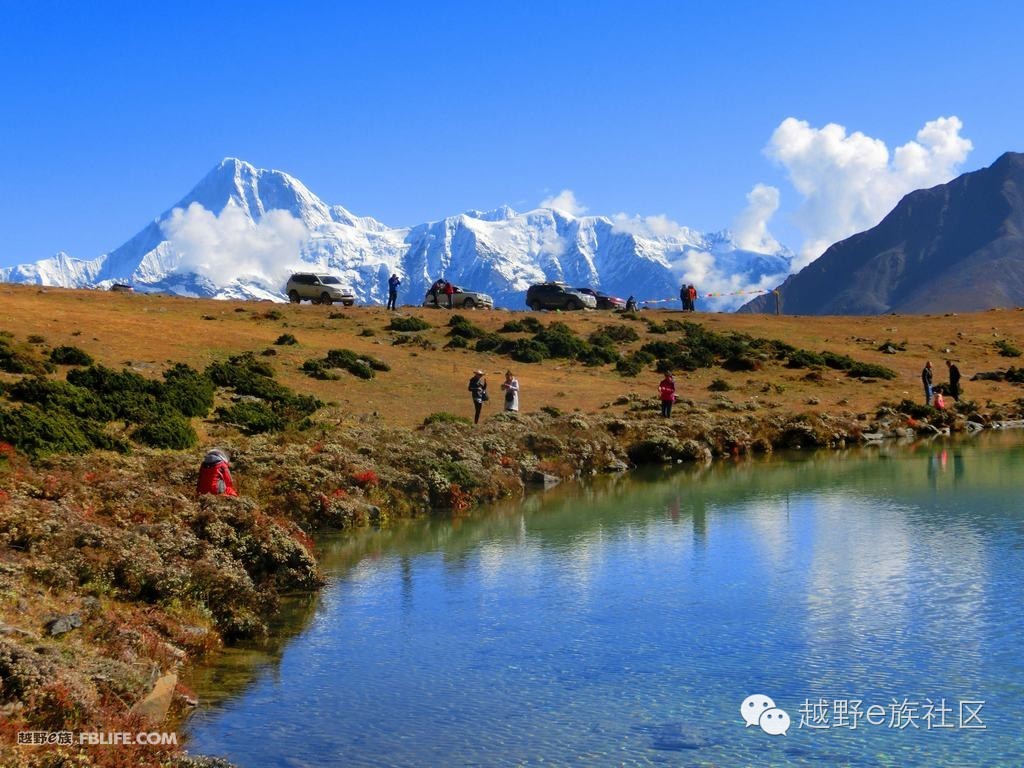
[[750, 230], [565, 201], [222, 248], [656, 226], [849, 182]]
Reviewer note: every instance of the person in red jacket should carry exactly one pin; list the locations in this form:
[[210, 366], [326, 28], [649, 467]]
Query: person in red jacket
[[449, 291], [667, 392], [215, 475]]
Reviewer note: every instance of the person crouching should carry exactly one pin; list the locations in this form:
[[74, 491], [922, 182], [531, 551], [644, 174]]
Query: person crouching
[[215, 474]]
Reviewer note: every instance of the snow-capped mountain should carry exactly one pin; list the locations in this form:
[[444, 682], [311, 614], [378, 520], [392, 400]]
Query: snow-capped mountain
[[242, 231]]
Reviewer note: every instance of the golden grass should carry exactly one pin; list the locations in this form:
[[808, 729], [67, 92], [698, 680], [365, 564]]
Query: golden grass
[[148, 332]]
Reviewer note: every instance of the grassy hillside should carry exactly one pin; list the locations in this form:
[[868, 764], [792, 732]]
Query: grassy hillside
[[149, 333]]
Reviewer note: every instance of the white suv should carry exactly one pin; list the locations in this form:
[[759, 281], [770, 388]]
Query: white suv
[[319, 289]]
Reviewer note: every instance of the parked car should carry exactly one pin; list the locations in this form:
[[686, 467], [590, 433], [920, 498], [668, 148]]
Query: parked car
[[604, 300], [555, 295], [319, 289], [463, 297]]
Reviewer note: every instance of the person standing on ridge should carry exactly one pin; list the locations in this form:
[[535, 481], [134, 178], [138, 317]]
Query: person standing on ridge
[[449, 291], [435, 289], [511, 387], [684, 297], [667, 393], [954, 380], [393, 282], [478, 391], [692, 293], [926, 380]]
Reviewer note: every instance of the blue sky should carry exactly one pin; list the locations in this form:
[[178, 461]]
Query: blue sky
[[410, 112]]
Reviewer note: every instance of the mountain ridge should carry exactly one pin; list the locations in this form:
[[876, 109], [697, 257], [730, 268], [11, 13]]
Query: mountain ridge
[[189, 249], [952, 247]]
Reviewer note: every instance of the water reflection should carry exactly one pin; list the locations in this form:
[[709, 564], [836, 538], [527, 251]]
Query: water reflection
[[617, 621]]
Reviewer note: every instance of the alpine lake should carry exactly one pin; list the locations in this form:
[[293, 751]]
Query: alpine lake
[[873, 596]]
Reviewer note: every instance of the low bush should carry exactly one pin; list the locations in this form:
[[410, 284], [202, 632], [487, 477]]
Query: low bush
[[38, 432], [252, 418], [457, 342], [166, 430], [17, 358], [444, 417], [801, 358], [528, 351], [719, 385], [1006, 349], [69, 356], [61, 396], [459, 325], [526, 325], [187, 390], [286, 339], [404, 324], [621, 334]]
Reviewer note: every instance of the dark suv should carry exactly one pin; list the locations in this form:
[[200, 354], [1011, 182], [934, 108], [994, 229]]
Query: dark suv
[[557, 296]]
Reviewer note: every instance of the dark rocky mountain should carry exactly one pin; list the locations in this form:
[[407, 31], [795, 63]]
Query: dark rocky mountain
[[956, 247]]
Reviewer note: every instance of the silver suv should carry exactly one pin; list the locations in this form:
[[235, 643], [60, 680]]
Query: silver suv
[[319, 289]]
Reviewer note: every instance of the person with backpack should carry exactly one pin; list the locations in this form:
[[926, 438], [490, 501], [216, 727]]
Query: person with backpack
[[435, 289], [478, 391], [954, 380], [215, 474], [393, 282], [667, 393], [511, 387]]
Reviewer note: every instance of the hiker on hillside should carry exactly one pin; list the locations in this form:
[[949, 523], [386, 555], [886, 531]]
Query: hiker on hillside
[[215, 475], [393, 282], [692, 293], [926, 380], [478, 391], [435, 289], [684, 297], [667, 393], [449, 291], [511, 387], [631, 304], [954, 380]]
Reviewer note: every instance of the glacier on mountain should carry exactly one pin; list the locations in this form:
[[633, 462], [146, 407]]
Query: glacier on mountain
[[241, 231]]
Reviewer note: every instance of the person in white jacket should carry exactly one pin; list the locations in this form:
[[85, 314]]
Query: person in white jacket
[[511, 387]]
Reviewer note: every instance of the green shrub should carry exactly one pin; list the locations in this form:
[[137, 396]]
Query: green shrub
[[37, 432], [367, 332], [459, 325], [443, 417], [634, 364], [166, 430], [622, 334], [528, 351], [35, 338], [252, 418], [457, 342], [551, 410], [870, 370], [286, 339], [488, 342], [526, 325], [69, 356], [719, 385], [16, 358], [1006, 349], [60, 395], [318, 369], [741, 363], [561, 341], [404, 324], [916, 410], [801, 358], [188, 391]]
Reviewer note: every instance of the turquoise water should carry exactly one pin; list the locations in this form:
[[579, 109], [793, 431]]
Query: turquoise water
[[624, 623]]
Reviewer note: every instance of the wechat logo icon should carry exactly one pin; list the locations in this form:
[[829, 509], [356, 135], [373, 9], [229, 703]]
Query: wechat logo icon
[[761, 710]]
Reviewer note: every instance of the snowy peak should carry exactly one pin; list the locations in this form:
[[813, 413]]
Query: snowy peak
[[242, 230]]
